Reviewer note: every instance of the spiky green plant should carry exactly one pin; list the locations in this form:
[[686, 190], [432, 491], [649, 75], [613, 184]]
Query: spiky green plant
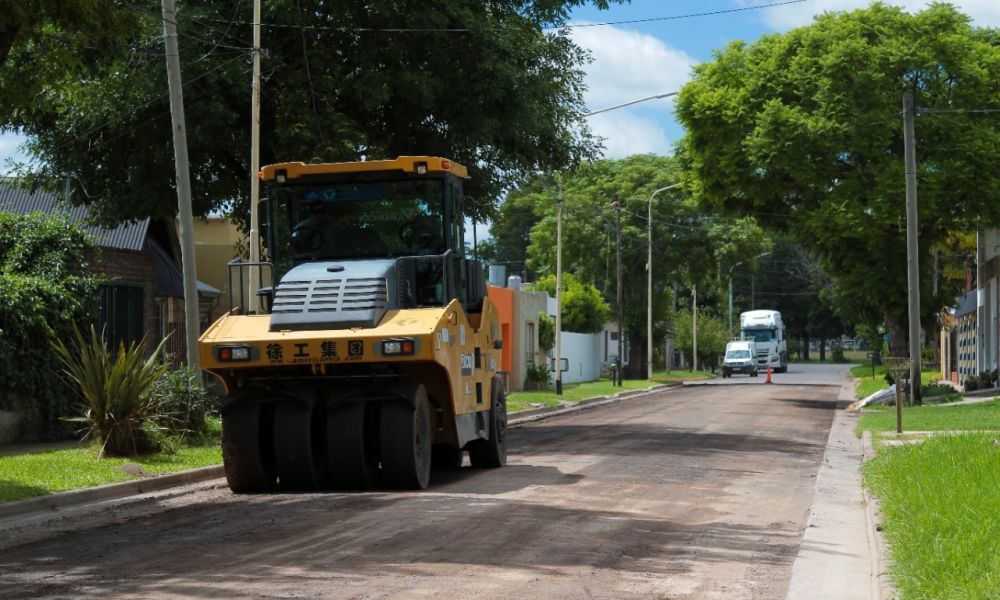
[[120, 409]]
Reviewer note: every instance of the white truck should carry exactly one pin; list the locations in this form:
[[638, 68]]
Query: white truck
[[740, 357], [767, 331]]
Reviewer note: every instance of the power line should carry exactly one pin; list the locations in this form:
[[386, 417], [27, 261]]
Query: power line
[[343, 29], [687, 16]]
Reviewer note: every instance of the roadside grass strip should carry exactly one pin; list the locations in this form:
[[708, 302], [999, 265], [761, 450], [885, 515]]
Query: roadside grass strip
[[939, 502], [37, 474], [868, 385], [962, 417], [576, 392]]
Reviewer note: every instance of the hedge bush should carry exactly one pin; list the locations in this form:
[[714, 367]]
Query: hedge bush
[[46, 289]]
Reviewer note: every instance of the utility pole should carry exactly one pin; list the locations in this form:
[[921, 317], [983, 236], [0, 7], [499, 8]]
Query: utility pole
[[912, 257], [254, 278], [649, 279], [668, 346], [618, 263], [558, 365], [191, 316], [694, 326]]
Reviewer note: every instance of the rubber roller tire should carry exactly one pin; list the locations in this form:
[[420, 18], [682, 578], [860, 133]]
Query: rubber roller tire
[[298, 465], [352, 458], [405, 440], [492, 453], [246, 448]]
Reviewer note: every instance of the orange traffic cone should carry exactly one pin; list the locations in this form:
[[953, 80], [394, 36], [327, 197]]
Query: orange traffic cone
[[768, 374]]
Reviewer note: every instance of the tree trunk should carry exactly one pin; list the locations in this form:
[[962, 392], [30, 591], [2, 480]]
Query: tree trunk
[[805, 348], [636, 368], [897, 329], [822, 350]]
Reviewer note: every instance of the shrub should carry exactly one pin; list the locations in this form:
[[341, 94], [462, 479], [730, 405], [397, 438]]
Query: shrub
[[185, 402], [837, 353], [538, 373], [46, 289], [120, 408], [971, 383]]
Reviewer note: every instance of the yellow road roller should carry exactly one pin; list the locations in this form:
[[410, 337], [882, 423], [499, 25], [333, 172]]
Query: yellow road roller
[[364, 352]]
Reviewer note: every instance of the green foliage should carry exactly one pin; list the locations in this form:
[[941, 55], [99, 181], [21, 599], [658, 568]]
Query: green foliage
[[803, 129], [120, 407], [837, 352], [546, 332], [185, 401], [538, 373], [688, 244], [583, 308], [329, 94], [46, 289], [68, 33], [712, 335]]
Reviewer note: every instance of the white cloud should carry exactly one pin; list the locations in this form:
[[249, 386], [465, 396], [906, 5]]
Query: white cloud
[[985, 13], [626, 134], [627, 66]]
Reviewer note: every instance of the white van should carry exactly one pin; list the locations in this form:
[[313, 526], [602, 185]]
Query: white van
[[741, 357]]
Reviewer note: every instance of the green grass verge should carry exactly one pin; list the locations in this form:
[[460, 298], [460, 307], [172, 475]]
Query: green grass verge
[[962, 417], [37, 474], [868, 385], [938, 502], [575, 392]]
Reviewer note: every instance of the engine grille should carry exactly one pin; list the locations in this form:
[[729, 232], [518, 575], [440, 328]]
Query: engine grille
[[330, 295]]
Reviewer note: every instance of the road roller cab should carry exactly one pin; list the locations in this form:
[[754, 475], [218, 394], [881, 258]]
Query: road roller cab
[[365, 348]]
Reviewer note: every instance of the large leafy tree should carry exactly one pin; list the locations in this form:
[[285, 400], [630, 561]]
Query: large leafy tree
[[69, 33], [490, 85], [688, 245], [804, 129]]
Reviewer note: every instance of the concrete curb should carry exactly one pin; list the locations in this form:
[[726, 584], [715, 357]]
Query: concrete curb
[[530, 416], [886, 588], [62, 501]]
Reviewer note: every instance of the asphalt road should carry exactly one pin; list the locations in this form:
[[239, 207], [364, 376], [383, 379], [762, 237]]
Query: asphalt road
[[693, 493], [798, 373]]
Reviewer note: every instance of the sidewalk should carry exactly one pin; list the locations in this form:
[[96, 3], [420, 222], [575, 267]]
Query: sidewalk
[[839, 557]]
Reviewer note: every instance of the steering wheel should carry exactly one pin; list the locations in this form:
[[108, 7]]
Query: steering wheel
[[307, 238]]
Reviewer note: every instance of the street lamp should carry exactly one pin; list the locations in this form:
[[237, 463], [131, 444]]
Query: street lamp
[[649, 279], [558, 365], [731, 288]]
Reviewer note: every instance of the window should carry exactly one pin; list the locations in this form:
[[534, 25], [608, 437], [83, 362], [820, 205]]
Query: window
[[121, 313]]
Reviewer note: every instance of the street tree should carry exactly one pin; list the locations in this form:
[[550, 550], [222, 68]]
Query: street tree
[[712, 337], [68, 33], [685, 239], [496, 86], [584, 310], [804, 130]]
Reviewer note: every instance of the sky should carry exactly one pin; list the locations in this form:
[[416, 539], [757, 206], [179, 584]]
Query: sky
[[637, 60]]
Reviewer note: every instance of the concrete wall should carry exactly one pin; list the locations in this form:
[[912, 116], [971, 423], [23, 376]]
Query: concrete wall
[[215, 240], [988, 300], [582, 352]]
